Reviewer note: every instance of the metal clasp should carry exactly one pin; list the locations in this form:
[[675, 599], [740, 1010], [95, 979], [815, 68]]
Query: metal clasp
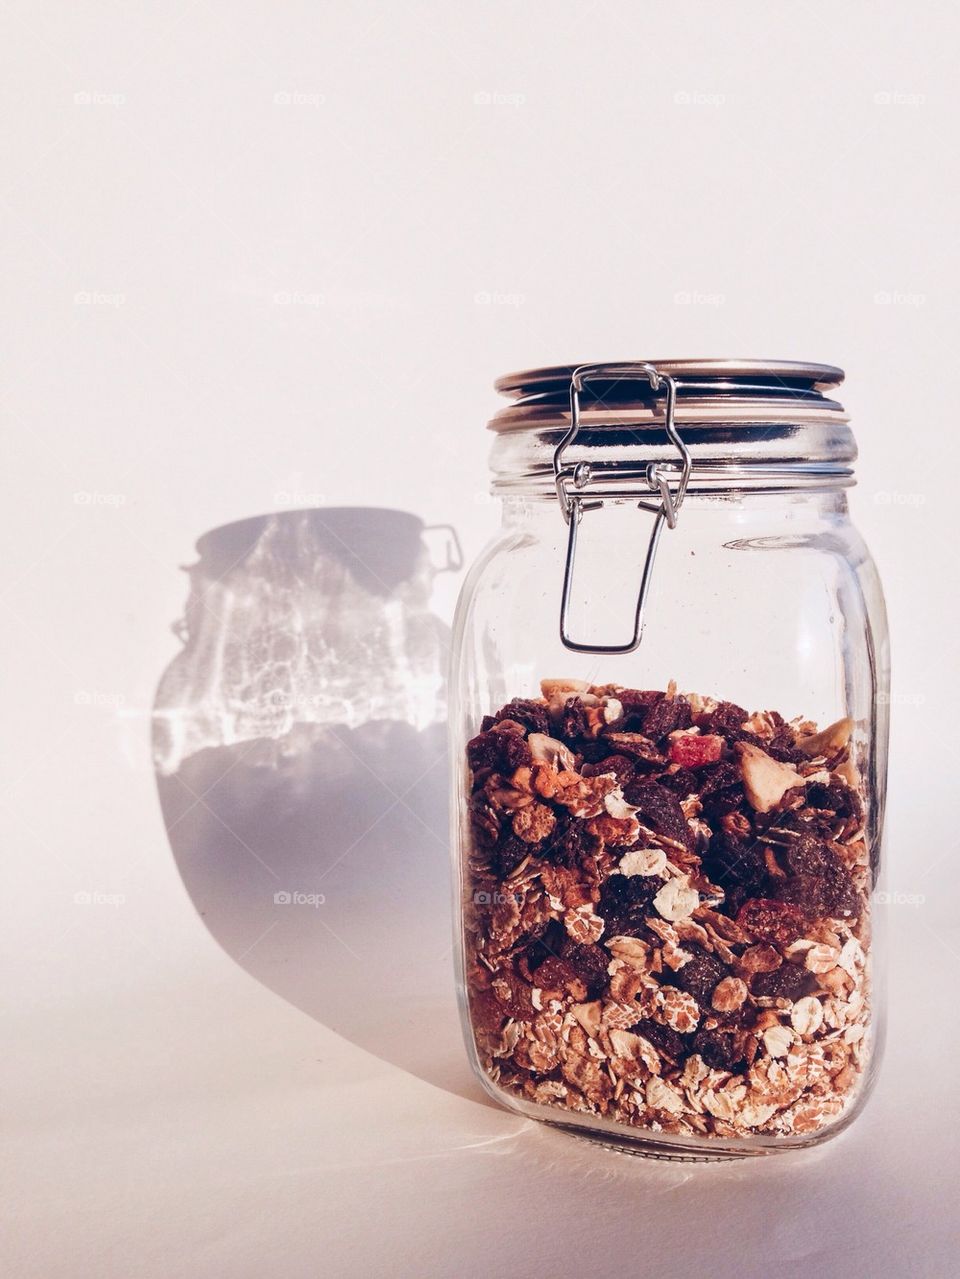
[[574, 505]]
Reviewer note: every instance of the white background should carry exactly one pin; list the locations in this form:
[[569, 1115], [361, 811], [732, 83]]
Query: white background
[[262, 254]]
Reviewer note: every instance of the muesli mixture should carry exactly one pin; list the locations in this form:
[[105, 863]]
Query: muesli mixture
[[667, 914]]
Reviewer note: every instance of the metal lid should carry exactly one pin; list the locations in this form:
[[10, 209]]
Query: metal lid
[[773, 375], [706, 390]]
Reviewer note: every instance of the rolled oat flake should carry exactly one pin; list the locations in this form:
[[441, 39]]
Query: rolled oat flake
[[669, 738]]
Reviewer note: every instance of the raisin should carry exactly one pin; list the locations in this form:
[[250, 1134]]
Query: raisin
[[666, 716], [770, 920], [508, 855], [660, 809], [682, 782], [570, 843], [635, 703], [810, 893], [503, 750], [727, 718], [547, 945], [717, 1048], [664, 1038], [625, 903], [807, 856], [589, 963], [573, 720], [699, 975], [844, 899], [532, 715], [730, 863], [786, 982], [622, 768]]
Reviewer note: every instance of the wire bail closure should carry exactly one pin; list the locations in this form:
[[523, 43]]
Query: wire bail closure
[[574, 504]]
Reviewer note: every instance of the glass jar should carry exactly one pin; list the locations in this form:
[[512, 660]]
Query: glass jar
[[669, 733]]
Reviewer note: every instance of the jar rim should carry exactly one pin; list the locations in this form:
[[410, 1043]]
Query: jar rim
[[721, 390]]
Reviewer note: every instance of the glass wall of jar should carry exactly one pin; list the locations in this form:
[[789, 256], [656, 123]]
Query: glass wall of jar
[[667, 853]]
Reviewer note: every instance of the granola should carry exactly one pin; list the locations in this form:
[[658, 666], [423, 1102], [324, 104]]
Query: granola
[[667, 918]]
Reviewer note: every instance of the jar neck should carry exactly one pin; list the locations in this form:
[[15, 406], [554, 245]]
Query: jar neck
[[728, 458], [806, 505]]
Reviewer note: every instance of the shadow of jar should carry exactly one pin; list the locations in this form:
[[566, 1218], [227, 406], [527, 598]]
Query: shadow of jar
[[299, 748]]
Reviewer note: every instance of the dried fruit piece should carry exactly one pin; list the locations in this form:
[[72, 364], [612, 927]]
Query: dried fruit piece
[[522, 710], [700, 974], [765, 780], [829, 741], [659, 810], [773, 921], [693, 750], [786, 982]]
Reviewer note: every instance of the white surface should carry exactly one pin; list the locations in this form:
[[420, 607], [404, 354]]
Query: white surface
[[444, 194]]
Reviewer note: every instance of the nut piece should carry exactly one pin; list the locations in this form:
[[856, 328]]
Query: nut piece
[[827, 742], [676, 899], [547, 750], [765, 780], [729, 994]]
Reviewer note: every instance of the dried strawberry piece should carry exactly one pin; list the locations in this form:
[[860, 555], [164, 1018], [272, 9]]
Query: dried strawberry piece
[[786, 982], [664, 1038], [771, 920], [699, 975], [660, 809], [622, 768], [666, 716], [532, 715], [717, 1048], [693, 750]]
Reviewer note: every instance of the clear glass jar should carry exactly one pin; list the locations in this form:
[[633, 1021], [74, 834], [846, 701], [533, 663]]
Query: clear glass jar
[[667, 853]]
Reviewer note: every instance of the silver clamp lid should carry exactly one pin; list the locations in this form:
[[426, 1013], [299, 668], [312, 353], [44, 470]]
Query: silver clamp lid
[[574, 504]]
